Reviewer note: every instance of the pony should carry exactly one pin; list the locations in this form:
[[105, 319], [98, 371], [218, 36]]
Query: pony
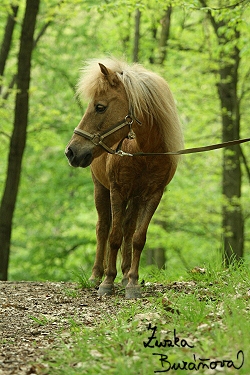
[[131, 112]]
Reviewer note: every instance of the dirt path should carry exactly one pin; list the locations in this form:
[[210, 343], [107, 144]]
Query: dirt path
[[32, 314]]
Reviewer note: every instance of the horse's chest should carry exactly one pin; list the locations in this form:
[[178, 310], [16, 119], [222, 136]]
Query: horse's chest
[[129, 176], [136, 179]]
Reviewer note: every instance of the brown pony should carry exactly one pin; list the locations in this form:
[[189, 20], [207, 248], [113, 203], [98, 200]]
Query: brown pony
[[131, 110]]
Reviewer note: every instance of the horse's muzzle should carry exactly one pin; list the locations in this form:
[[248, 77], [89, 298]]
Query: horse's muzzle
[[76, 159]]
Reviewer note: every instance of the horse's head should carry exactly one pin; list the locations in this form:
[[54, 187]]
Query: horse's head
[[104, 124]]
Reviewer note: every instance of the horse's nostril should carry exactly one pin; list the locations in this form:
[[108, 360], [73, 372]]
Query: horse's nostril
[[69, 153], [78, 158]]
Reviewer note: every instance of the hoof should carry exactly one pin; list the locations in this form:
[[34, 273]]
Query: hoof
[[132, 292], [107, 289]]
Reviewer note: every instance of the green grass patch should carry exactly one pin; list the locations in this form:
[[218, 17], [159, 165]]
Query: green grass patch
[[82, 279], [199, 325]]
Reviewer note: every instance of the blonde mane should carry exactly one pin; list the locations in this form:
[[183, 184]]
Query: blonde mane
[[148, 94]]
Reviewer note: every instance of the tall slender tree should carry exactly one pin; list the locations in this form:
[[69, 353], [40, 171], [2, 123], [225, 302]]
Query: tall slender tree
[[137, 35], [165, 29], [228, 71], [18, 137]]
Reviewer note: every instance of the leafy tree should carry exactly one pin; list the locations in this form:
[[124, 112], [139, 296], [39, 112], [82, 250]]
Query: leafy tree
[[19, 134], [18, 138], [226, 24], [226, 52]]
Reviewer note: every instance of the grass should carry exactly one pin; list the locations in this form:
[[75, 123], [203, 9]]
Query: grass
[[201, 322], [83, 279], [41, 321]]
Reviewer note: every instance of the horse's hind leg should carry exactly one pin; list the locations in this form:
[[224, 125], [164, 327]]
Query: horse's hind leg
[[102, 202]]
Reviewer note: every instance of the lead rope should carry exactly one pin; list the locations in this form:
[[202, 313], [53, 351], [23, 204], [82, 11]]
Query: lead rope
[[187, 150]]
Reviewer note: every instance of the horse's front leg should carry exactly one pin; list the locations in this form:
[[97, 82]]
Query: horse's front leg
[[115, 241], [146, 212], [129, 226], [102, 202]]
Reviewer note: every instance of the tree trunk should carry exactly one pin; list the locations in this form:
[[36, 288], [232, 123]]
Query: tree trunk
[[137, 35], [157, 256], [7, 38], [232, 221], [152, 49], [18, 138], [164, 35], [232, 217]]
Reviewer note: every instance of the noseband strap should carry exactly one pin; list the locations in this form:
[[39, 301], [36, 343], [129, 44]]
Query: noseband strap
[[97, 138]]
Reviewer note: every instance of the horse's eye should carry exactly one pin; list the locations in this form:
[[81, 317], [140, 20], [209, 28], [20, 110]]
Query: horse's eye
[[99, 108]]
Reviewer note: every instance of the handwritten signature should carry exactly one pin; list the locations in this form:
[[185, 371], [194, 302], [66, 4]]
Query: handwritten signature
[[196, 364]]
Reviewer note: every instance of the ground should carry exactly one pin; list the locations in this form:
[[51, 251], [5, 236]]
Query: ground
[[25, 309], [32, 314], [65, 328]]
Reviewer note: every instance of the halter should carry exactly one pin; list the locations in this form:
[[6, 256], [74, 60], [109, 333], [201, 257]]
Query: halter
[[97, 138]]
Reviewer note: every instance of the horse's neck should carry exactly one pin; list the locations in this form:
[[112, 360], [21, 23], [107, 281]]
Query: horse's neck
[[149, 138]]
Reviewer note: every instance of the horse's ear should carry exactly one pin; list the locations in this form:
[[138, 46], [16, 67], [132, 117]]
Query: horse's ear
[[105, 71], [109, 75]]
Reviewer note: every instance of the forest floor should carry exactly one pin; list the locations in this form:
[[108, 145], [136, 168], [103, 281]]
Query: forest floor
[[34, 316], [25, 310], [62, 328]]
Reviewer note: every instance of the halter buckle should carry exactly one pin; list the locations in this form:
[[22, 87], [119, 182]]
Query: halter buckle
[[96, 139], [129, 120]]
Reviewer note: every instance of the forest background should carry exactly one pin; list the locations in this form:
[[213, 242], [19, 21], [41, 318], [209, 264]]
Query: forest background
[[189, 43]]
